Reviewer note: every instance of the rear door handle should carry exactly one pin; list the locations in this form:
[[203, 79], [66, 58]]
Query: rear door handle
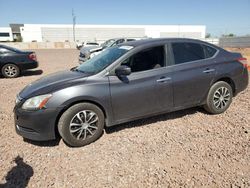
[[208, 70], [164, 79]]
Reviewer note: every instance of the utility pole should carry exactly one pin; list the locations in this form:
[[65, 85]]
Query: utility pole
[[74, 23]]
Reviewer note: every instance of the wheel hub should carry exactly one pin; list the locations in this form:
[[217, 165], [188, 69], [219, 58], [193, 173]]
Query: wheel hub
[[84, 124], [221, 97]]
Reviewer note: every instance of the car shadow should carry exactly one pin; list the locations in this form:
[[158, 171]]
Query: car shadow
[[132, 124], [19, 175], [32, 72], [154, 119], [49, 143]]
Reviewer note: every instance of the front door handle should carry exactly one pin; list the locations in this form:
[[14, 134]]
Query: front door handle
[[164, 79], [208, 70]]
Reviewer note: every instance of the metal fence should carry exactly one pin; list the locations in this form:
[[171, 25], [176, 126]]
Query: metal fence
[[234, 42]]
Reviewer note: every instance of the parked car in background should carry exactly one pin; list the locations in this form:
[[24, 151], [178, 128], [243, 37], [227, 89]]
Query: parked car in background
[[89, 52], [14, 61], [86, 44], [127, 82]]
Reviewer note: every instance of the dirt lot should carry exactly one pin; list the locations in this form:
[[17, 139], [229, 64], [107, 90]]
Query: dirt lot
[[188, 148]]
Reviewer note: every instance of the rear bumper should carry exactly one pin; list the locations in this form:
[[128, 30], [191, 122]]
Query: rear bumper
[[36, 125], [28, 65], [242, 82]]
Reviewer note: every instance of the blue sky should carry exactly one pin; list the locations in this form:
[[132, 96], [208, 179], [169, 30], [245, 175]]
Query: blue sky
[[220, 16]]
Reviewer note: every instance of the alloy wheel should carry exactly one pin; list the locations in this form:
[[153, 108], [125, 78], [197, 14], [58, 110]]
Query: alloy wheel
[[10, 71], [84, 125], [221, 97]]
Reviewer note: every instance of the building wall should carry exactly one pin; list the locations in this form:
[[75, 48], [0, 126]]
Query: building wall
[[6, 34], [99, 33]]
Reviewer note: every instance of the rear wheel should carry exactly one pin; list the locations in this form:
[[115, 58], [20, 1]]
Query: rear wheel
[[219, 98], [81, 124], [10, 71]]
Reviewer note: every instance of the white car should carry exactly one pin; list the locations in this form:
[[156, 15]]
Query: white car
[[86, 44], [90, 51]]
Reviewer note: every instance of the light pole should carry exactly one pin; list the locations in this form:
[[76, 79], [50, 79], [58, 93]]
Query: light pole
[[74, 23]]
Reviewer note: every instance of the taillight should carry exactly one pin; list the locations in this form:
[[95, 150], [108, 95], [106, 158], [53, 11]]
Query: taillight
[[32, 56], [244, 62]]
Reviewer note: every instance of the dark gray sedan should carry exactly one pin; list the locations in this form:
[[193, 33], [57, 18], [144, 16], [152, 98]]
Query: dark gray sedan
[[127, 82]]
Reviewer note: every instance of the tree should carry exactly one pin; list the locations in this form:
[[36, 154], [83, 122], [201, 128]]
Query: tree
[[208, 35], [229, 35]]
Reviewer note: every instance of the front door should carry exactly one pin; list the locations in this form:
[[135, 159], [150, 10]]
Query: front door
[[145, 90]]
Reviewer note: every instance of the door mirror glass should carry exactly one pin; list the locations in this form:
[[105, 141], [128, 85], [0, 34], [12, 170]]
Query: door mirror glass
[[123, 70]]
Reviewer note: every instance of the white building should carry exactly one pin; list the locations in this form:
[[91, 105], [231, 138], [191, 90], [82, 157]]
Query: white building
[[99, 33], [6, 34]]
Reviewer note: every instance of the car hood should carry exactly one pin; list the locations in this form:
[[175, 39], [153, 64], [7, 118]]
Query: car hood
[[52, 83]]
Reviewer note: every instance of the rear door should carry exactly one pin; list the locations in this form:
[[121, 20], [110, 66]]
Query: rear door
[[193, 72], [138, 94]]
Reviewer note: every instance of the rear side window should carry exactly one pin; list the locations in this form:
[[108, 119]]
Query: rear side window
[[187, 52], [209, 51]]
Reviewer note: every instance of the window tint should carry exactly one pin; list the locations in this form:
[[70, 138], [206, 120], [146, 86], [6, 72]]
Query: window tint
[[209, 51], [119, 41], [148, 59], [92, 43], [4, 34], [186, 52], [128, 40]]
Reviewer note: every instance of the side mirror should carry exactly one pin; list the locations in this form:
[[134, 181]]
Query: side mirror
[[123, 70]]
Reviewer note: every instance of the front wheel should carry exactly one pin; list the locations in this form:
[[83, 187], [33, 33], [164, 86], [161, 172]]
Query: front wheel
[[219, 98], [81, 124]]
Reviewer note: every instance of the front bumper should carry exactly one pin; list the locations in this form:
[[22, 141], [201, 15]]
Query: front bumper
[[36, 125]]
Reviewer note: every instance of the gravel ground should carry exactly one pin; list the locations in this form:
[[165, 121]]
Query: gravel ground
[[187, 148]]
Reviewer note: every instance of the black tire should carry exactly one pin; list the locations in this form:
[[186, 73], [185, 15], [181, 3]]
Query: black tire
[[215, 103], [10, 71], [70, 122]]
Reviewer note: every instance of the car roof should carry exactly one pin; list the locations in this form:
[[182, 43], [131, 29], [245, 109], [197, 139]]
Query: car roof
[[3, 46], [162, 40]]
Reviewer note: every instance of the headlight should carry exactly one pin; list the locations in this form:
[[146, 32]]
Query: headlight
[[36, 103]]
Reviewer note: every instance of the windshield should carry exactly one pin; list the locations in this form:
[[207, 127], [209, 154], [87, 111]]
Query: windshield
[[102, 60], [108, 43]]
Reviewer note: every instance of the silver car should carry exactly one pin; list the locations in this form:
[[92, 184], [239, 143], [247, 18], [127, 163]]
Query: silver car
[[90, 51]]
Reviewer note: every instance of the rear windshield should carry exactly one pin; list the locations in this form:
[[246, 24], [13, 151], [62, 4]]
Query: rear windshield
[[10, 48]]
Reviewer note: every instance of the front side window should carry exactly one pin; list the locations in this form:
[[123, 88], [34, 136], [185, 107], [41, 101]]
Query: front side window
[[187, 52], [103, 60], [146, 60]]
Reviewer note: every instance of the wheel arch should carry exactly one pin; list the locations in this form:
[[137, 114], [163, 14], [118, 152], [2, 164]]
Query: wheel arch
[[5, 63], [228, 80], [72, 104]]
